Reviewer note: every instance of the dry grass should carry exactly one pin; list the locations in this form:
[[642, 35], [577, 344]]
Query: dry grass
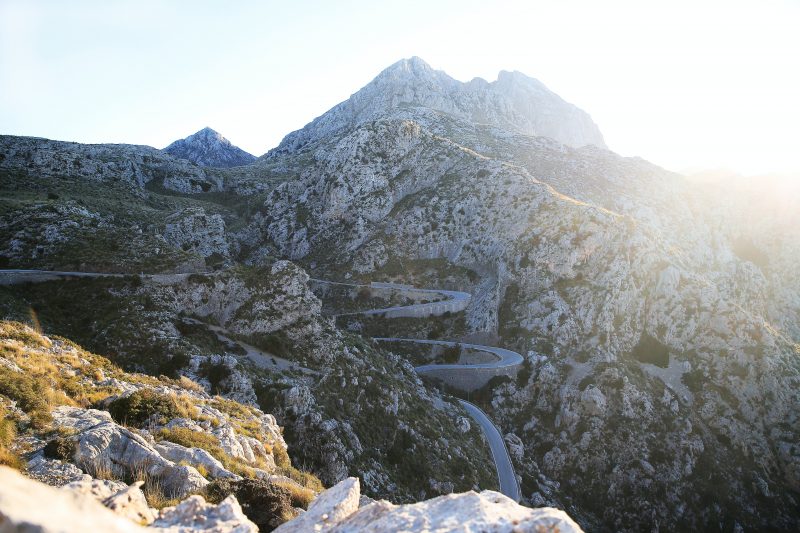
[[284, 464], [52, 372], [8, 432], [301, 496]]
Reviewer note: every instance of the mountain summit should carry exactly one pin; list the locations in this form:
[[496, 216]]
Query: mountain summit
[[514, 102], [209, 149]]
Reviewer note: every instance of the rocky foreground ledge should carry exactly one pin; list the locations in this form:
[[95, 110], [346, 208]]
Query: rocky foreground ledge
[[27, 505]]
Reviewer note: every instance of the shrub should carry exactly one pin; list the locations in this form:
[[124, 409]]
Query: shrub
[[29, 393], [301, 496], [137, 408], [267, 504], [651, 350], [62, 448], [284, 464], [215, 373], [452, 354], [8, 432]]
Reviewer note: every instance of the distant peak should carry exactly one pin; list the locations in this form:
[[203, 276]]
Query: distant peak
[[208, 147]]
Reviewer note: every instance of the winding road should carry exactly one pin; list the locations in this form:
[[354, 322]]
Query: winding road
[[454, 301], [506, 360]]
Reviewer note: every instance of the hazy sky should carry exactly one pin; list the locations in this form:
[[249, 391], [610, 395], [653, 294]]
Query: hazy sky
[[683, 84]]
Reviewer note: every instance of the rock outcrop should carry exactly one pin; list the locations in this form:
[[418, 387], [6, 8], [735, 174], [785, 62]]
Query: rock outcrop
[[337, 510], [22, 504]]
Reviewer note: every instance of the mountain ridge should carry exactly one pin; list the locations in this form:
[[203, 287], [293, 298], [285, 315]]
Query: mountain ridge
[[514, 101]]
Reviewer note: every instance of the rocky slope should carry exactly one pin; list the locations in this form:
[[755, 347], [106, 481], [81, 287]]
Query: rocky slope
[[128, 450], [349, 408], [71, 419], [207, 148], [656, 351]]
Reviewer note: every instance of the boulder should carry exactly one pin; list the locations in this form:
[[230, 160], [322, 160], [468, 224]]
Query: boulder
[[330, 507], [99, 489], [29, 506], [488, 512], [337, 510], [195, 515], [195, 457], [54, 472], [131, 503], [103, 445]]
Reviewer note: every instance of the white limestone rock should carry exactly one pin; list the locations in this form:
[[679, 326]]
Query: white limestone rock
[[194, 456], [488, 512], [132, 164], [514, 101], [99, 489], [54, 472], [194, 515], [328, 509], [29, 506], [194, 230], [131, 503], [101, 443]]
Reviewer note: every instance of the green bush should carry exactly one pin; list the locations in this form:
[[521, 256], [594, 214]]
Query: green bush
[[136, 409]]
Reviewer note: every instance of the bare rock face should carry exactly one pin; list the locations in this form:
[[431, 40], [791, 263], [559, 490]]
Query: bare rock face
[[194, 230], [106, 445], [337, 510], [135, 165], [208, 148], [514, 102]]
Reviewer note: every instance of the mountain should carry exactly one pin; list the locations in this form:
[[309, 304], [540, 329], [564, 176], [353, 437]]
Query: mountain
[[208, 148], [514, 102], [657, 318], [660, 331]]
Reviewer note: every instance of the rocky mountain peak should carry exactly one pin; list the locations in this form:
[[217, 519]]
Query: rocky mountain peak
[[209, 148], [514, 102]]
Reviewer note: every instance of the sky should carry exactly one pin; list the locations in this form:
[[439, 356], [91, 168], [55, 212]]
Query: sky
[[688, 85]]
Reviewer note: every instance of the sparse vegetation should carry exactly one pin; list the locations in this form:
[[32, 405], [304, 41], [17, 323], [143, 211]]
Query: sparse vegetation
[[8, 431], [137, 408]]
